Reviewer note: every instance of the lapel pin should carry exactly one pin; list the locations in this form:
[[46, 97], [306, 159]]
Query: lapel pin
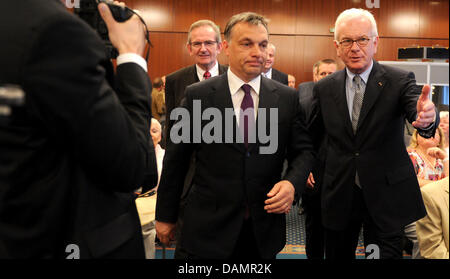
[[380, 84]]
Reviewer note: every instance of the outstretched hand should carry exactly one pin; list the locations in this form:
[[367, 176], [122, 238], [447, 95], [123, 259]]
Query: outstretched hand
[[426, 113]]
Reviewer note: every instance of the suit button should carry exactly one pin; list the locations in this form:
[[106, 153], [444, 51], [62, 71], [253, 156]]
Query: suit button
[[357, 154]]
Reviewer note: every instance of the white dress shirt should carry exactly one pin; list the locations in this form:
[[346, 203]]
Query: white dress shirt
[[268, 74], [237, 93], [214, 71]]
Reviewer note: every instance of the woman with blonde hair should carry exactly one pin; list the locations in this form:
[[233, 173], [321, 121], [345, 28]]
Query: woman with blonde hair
[[428, 167]]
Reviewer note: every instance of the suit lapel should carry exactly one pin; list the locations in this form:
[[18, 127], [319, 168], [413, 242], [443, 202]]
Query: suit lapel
[[340, 98], [222, 69], [268, 98], [274, 74], [192, 77], [374, 87]]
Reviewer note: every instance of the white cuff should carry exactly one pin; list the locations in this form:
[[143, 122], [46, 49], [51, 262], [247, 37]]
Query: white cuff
[[132, 58]]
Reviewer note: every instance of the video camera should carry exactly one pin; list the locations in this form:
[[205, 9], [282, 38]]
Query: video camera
[[88, 11]]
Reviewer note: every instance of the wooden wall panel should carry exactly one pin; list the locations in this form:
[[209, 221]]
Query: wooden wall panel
[[224, 9], [400, 18], [434, 19], [156, 13], [299, 28], [281, 14], [315, 17], [187, 12]]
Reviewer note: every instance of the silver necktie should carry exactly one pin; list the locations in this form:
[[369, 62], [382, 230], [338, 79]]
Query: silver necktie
[[357, 104], [357, 101]]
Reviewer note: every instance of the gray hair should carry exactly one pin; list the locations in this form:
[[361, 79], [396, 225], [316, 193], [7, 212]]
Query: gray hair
[[270, 45], [355, 13], [248, 17], [205, 22]]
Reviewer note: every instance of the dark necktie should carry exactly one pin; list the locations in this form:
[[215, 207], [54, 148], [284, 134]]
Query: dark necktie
[[206, 75], [248, 118]]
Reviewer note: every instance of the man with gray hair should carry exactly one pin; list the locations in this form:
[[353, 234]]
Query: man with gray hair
[[368, 179], [204, 44], [236, 208], [270, 72]]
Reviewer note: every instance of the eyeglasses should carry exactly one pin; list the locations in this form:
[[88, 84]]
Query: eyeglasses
[[362, 42], [207, 44]]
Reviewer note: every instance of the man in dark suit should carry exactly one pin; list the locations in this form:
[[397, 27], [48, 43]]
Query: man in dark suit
[[270, 72], [237, 203], [315, 238], [204, 44], [74, 149], [368, 180]]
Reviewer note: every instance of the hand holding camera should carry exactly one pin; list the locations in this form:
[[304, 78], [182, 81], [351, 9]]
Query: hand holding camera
[[127, 36]]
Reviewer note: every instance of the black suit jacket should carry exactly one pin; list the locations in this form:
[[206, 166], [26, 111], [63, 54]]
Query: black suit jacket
[[228, 177], [280, 76], [377, 151], [176, 84], [72, 155], [305, 91]]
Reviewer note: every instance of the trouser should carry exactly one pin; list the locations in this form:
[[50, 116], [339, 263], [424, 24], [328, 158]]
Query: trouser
[[379, 244], [314, 230], [149, 235], [245, 248], [411, 234]]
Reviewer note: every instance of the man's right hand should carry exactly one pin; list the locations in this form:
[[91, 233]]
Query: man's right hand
[[128, 36], [165, 232]]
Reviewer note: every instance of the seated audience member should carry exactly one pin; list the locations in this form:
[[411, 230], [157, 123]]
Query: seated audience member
[[427, 167], [158, 102], [146, 202], [444, 126], [433, 229]]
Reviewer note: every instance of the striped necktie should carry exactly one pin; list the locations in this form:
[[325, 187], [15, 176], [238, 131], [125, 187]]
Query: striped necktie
[[357, 101]]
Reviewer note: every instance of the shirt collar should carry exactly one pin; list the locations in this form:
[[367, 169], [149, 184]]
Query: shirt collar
[[235, 83], [214, 71], [268, 74], [364, 75]]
